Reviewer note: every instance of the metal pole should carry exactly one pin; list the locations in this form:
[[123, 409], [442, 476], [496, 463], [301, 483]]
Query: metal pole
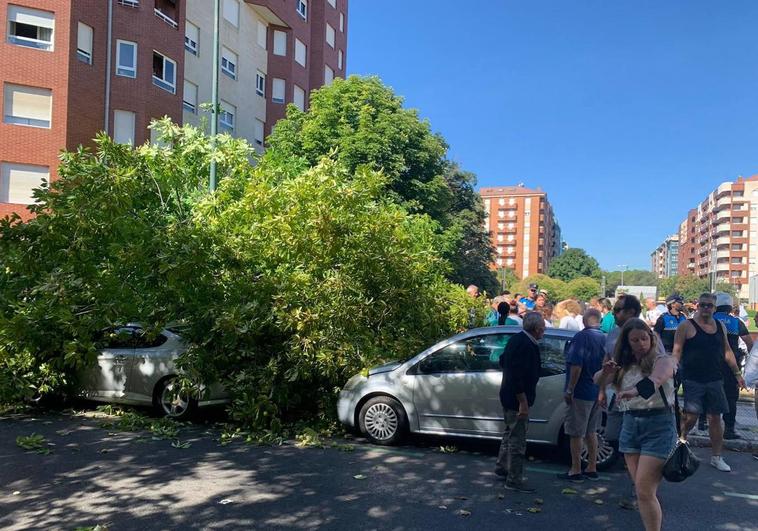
[[214, 91], [109, 38]]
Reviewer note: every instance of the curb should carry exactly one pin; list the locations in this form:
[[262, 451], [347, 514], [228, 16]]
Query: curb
[[740, 445]]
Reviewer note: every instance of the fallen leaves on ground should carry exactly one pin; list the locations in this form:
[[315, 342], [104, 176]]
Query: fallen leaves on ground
[[568, 491], [450, 449], [181, 445], [359, 476], [33, 443], [464, 513], [534, 510]]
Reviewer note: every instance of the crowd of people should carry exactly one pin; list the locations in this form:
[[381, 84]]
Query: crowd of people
[[631, 363]]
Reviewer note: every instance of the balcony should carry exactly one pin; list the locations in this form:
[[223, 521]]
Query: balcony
[[165, 18], [723, 254], [129, 3]]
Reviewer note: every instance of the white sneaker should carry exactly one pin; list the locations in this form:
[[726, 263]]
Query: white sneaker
[[719, 464]]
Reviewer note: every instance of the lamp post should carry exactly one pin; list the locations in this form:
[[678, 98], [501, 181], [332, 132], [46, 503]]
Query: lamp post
[[623, 268], [214, 92]]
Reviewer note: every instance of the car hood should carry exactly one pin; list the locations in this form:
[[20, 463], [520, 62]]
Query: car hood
[[387, 367]]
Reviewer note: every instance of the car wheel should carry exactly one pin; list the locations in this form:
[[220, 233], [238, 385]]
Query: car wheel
[[382, 419], [607, 452], [172, 402]]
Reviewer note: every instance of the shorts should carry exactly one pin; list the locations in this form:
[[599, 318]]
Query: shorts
[[581, 418], [653, 435], [706, 397]]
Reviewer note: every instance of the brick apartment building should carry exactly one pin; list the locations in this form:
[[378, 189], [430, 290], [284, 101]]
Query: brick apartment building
[[665, 259], [72, 69], [720, 235], [523, 228]]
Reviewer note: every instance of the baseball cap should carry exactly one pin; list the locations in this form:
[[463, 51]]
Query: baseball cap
[[533, 286], [674, 298], [723, 299]]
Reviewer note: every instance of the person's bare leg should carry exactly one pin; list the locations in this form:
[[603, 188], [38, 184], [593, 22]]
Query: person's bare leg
[[648, 477], [591, 442], [576, 455], [716, 432], [688, 422]]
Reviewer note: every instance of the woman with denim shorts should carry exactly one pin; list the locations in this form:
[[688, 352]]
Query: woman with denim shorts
[[641, 376]]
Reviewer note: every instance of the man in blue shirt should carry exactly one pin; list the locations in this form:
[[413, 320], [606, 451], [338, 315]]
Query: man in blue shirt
[[584, 357], [529, 301]]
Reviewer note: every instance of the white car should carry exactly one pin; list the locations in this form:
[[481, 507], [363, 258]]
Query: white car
[[134, 369]]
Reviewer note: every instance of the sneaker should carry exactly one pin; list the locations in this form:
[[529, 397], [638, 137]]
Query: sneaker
[[628, 503], [592, 476], [755, 456], [719, 464], [574, 478], [731, 435], [519, 487]]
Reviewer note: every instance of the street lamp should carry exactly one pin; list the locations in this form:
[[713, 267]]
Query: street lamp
[[623, 268], [214, 93]]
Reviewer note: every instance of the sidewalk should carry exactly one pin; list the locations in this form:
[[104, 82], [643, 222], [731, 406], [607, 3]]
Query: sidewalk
[[746, 427]]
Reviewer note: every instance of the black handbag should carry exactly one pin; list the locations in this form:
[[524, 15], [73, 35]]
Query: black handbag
[[682, 461]]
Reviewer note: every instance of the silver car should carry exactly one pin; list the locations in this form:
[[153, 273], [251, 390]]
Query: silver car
[[133, 368], [453, 388]]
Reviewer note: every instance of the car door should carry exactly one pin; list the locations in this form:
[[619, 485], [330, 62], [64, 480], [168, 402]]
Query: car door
[[109, 378], [456, 389], [549, 388], [146, 365]]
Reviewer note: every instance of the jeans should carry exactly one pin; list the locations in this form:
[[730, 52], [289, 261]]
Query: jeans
[[512, 452]]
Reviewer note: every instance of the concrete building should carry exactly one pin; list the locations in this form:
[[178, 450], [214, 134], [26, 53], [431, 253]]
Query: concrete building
[[719, 238], [58, 92], [665, 259], [72, 69], [523, 229]]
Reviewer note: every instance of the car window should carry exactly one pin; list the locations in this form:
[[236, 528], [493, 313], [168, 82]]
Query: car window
[[552, 355], [475, 354], [143, 340], [119, 337]]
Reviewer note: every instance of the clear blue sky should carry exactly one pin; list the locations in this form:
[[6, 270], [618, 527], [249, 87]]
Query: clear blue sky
[[627, 112]]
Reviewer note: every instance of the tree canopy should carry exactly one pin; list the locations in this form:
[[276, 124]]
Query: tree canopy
[[574, 263]]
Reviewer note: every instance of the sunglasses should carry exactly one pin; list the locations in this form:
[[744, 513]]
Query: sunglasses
[[705, 305]]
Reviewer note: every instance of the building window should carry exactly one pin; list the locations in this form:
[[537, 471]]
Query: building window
[[332, 3], [164, 72], [278, 90], [191, 38], [123, 127], [299, 98], [339, 59], [302, 9], [261, 35], [226, 117], [17, 182], [280, 43], [260, 83], [342, 22], [229, 62], [258, 132], [328, 75], [189, 100], [300, 52], [30, 106], [126, 58], [30, 27], [232, 12], [84, 43], [329, 35]]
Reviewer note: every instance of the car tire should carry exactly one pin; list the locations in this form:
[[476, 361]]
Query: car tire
[[383, 421], [172, 403]]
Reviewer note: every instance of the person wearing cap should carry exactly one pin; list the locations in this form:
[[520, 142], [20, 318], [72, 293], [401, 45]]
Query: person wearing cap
[[735, 330], [665, 327], [653, 311], [530, 300]]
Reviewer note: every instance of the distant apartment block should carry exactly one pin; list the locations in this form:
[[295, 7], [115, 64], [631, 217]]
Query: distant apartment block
[[665, 259], [522, 227], [72, 69], [720, 236]]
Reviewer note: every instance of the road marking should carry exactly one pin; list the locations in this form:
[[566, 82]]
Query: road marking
[[741, 495]]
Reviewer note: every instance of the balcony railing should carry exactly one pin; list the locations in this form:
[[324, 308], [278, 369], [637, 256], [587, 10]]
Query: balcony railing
[[165, 18], [129, 3]]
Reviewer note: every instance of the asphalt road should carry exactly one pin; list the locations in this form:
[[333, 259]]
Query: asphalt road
[[130, 481]]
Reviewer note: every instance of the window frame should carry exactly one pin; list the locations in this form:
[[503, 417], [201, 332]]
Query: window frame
[[276, 40], [161, 82], [12, 119], [229, 127], [260, 83], [225, 62], [187, 106], [304, 47], [28, 42], [5, 168], [119, 66], [333, 34], [194, 50], [302, 9], [82, 55], [274, 84], [259, 124]]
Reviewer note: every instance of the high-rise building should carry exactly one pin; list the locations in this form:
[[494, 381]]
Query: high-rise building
[[522, 227], [665, 259], [718, 240], [72, 69]]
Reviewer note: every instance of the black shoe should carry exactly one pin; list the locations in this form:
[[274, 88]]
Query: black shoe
[[519, 487], [592, 476], [731, 435], [574, 478], [501, 472]]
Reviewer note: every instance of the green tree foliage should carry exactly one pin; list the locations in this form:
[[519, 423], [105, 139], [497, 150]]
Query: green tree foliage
[[583, 288], [632, 277], [556, 288], [572, 264], [286, 283], [691, 287], [361, 123]]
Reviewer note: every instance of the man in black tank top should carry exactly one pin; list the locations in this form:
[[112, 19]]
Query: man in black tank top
[[700, 346]]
